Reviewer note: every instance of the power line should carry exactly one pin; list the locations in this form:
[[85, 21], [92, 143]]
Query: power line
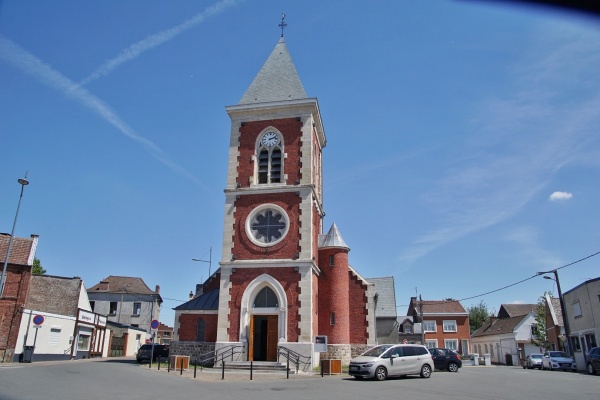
[[516, 283]]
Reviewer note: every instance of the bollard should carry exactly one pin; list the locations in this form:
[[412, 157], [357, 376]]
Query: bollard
[[322, 368], [181, 371], [251, 370], [169, 366], [288, 368], [159, 363], [195, 365], [222, 369]]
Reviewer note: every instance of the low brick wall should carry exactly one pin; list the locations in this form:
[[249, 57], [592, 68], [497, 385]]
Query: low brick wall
[[195, 350]]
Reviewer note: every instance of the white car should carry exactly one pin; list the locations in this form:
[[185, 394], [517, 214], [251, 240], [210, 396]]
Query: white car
[[554, 360], [392, 360]]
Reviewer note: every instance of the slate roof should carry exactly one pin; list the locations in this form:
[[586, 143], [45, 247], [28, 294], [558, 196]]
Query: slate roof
[[431, 307], [206, 301], [277, 80], [386, 296], [123, 284], [555, 310], [54, 294], [22, 250], [499, 326], [333, 238], [513, 310]]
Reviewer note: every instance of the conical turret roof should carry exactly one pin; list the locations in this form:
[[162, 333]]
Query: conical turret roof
[[277, 80], [333, 238]]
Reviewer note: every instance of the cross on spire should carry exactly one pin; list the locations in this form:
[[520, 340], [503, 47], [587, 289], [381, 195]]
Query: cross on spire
[[282, 24]]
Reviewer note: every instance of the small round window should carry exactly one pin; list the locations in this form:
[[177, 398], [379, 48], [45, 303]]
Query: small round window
[[267, 225]]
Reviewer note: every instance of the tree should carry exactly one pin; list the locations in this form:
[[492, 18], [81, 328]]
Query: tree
[[538, 329], [478, 315], [37, 268]]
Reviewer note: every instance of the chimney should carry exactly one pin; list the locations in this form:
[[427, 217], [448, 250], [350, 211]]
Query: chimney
[[199, 289], [191, 295], [104, 286], [157, 289]]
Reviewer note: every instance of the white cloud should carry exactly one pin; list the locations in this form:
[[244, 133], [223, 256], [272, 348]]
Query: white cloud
[[524, 137], [560, 196]]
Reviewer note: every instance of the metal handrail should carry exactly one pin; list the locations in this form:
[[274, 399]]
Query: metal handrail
[[223, 352], [293, 356]]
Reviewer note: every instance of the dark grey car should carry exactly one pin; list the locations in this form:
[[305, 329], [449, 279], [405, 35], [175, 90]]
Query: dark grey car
[[145, 352]]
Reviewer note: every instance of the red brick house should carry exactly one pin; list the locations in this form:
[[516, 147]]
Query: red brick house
[[281, 280], [444, 322], [16, 288], [555, 327]]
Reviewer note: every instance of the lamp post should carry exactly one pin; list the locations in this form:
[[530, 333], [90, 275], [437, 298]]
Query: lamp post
[[209, 260], [23, 182], [562, 306]]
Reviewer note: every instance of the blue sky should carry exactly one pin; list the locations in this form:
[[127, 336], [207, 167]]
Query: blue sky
[[463, 152]]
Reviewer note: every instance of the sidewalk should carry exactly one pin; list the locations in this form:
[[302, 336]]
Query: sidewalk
[[216, 374]]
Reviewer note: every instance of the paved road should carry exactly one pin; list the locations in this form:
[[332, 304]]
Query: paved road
[[124, 379]]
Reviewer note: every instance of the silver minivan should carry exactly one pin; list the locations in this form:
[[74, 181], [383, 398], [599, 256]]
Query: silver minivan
[[386, 360]]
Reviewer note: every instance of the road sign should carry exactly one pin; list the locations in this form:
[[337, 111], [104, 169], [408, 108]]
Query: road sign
[[154, 324], [38, 320]]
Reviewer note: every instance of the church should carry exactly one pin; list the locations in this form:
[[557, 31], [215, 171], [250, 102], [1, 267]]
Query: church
[[283, 279]]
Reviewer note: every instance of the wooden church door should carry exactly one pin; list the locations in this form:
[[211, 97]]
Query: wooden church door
[[262, 338]]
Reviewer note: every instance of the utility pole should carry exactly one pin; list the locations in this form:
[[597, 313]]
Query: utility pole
[[422, 322]]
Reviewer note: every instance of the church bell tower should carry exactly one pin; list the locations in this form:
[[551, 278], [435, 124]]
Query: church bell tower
[[273, 214]]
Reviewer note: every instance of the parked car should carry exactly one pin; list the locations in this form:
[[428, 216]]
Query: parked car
[[534, 360], [446, 359], [145, 352], [386, 360], [593, 361], [553, 360]]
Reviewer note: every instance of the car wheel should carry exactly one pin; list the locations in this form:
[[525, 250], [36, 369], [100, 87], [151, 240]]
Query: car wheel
[[380, 374], [590, 369], [453, 367], [525, 366], [425, 371], [550, 367]]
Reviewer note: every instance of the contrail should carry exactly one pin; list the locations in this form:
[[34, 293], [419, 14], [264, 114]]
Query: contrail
[[132, 52], [31, 65]]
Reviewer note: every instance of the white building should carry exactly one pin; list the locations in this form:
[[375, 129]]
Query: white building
[[506, 340], [58, 323]]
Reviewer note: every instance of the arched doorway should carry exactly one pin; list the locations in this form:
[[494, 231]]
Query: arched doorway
[[263, 322]]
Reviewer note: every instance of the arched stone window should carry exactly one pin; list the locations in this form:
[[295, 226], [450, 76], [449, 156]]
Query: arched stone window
[[269, 158], [200, 330]]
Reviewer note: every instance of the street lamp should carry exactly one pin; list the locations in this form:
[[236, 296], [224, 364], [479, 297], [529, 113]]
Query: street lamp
[[562, 306], [24, 182], [209, 260]]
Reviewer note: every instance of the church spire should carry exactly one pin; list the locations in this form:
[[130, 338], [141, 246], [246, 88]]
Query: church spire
[[277, 80]]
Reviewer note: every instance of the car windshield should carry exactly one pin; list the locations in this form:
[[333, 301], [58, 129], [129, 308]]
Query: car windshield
[[558, 354], [376, 351]]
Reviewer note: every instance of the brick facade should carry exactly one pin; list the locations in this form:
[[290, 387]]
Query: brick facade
[[290, 128], [357, 291], [334, 296], [188, 327], [16, 289], [285, 276], [244, 249]]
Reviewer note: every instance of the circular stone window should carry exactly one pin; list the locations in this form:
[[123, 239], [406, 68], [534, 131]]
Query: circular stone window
[[267, 225]]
